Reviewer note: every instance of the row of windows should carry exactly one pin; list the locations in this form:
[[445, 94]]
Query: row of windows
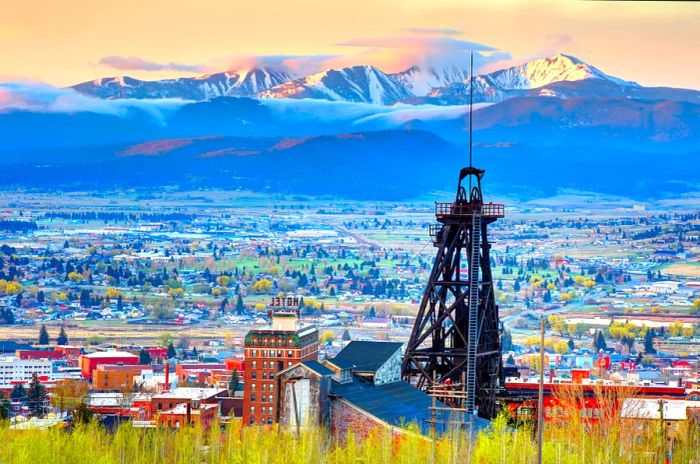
[[265, 387], [271, 341], [271, 353], [270, 410], [263, 398], [264, 375], [264, 420], [266, 365]]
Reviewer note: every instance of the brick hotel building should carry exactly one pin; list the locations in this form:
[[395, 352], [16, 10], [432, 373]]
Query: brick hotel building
[[268, 351]]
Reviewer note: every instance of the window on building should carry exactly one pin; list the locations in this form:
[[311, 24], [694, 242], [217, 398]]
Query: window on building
[[252, 397], [289, 353], [252, 387], [269, 410], [264, 375], [253, 375], [254, 364]]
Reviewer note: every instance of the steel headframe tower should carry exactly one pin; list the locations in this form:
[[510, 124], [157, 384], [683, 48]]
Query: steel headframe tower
[[454, 351], [455, 348]]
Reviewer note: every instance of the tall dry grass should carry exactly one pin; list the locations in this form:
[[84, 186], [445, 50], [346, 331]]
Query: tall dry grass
[[575, 440]]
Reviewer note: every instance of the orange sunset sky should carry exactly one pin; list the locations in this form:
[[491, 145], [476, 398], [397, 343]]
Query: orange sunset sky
[[68, 41]]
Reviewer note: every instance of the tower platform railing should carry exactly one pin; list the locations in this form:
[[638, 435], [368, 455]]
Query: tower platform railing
[[496, 210]]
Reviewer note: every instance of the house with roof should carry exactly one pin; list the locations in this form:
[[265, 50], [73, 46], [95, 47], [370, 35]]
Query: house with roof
[[360, 389]]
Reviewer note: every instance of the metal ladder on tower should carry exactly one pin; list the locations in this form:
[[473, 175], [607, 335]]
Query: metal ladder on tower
[[473, 316]]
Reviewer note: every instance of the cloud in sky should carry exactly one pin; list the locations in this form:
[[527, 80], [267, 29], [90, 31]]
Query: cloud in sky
[[425, 47], [418, 46], [134, 63], [41, 97]]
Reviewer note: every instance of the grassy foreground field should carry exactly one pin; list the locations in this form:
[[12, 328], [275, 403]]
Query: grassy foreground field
[[574, 443]]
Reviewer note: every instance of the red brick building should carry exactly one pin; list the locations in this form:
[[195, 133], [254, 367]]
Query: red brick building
[[39, 354], [268, 351], [184, 414], [89, 362]]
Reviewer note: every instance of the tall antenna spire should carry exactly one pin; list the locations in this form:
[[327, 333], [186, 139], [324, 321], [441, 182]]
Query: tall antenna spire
[[471, 104]]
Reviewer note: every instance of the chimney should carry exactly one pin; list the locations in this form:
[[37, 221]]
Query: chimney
[[189, 413], [167, 376]]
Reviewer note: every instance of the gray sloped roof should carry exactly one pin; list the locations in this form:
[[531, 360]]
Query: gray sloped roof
[[365, 356], [397, 404], [318, 367]]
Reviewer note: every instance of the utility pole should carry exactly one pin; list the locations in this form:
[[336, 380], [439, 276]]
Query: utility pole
[[540, 396]]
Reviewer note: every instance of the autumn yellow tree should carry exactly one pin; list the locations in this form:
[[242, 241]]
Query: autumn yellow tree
[[262, 286], [13, 288], [327, 337], [68, 394], [223, 280], [75, 277], [112, 293]]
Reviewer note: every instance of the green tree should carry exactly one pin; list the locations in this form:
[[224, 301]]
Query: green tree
[[144, 357], [240, 307], [649, 342], [571, 344], [4, 407], [234, 382], [82, 414], [165, 339], [37, 398], [506, 341], [43, 335], [62, 338], [18, 392], [599, 341], [171, 351]]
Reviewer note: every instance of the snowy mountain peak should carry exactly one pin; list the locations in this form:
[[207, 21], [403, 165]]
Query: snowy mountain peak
[[421, 80], [362, 83], [545, 71], [241, 82]]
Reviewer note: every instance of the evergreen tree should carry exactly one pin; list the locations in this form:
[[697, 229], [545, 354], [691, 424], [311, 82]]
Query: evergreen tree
[[600, 343], [171, 351], [346, 336], [37, 398], [571, 344], [195, 353], [120, 303], [506, 341], [43, 336], [234, 382], [240, 307], [4, 407], [40, 297], [62, 338], [222, 306], [144, 357], [18, 392], [649, 342], [510, 361], [516, 286], [547, 298]]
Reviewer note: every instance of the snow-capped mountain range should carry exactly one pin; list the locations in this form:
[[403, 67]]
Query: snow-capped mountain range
[[365, 84], [561, 76], [244, 82]]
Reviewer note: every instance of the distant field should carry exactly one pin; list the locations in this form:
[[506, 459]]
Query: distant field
[[691, 269]]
